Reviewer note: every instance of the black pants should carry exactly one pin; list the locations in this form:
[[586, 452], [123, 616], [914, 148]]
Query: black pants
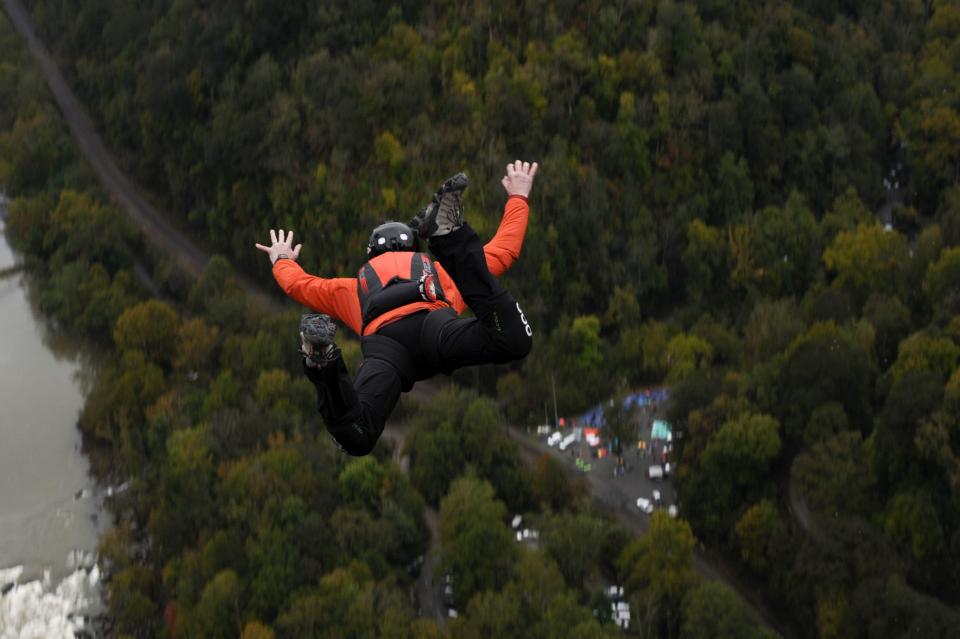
[[356, 411]]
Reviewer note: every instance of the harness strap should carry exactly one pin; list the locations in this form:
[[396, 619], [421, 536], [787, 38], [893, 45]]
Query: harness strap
[[378, 297]]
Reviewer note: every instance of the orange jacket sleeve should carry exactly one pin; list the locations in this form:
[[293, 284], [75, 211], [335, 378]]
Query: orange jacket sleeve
[[337, 297], [504, 248]]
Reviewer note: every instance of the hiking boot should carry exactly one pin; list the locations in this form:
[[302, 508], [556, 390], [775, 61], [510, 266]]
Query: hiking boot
[[316, 339], [444, 213]]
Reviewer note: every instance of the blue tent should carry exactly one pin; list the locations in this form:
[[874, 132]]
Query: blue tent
[[595, 416]]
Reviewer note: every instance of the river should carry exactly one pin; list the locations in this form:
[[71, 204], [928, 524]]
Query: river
[[51, 511]]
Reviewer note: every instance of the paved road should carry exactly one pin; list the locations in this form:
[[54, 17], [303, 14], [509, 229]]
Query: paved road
[[617, 496]]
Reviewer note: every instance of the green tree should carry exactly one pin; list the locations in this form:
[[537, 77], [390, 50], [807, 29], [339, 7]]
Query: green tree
[[891, 321], [733, 470], [574, 541], [436, 460], [658, 568], [705, 260], [218, 295], [133, 608], [910, 399], [33, 149], [361, 482], [187, 492], [888, 606], [642, 353], [551, 485], [534, 603], [924, 352], [837, 475], [744, 448], [847, 214], [478, 431], [825, 364], [734, 189], [754, 533], [912, 521], [868, 260], [572, 361], [83, 228], [343, 605], [218, 612], [478, 549], [786, 247], [771, 328], [713, 611], [686, 354], [942, 282]]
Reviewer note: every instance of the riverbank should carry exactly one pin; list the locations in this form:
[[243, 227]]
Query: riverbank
[[52, 512]]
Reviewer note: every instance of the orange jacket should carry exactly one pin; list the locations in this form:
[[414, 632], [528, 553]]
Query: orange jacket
[[337, 297]]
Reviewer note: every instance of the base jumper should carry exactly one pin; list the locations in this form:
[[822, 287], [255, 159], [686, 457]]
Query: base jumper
[[405, 307]]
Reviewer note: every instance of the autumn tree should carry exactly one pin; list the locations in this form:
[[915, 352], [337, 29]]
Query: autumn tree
[[149, 326]]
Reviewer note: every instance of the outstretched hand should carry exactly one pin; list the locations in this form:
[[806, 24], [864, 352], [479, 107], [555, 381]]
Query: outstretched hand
[[282, 247], [519, 178]]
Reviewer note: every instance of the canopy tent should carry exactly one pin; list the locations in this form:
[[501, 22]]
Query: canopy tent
[[661, 430]]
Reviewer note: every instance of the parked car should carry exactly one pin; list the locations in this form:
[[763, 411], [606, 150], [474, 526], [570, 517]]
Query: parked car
[[655, 472], [657, 499], [568, 441], [672, 510], [645, 505]]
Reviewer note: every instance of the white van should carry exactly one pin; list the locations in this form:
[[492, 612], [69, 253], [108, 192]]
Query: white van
[[655, 472], [644, 505]]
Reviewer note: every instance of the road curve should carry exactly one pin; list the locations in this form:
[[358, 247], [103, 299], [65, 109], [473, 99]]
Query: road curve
[[154, 224]]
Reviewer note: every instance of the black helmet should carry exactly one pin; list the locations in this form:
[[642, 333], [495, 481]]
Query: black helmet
[[391, 236]]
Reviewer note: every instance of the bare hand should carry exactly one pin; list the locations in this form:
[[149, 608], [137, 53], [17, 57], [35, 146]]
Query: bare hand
[[282, 247], [519, 178]]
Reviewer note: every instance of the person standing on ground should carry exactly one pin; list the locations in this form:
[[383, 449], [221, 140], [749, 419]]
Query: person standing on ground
[[405, 307]]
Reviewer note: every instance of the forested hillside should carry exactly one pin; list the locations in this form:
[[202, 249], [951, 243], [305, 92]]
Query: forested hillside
[[756, 203]]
